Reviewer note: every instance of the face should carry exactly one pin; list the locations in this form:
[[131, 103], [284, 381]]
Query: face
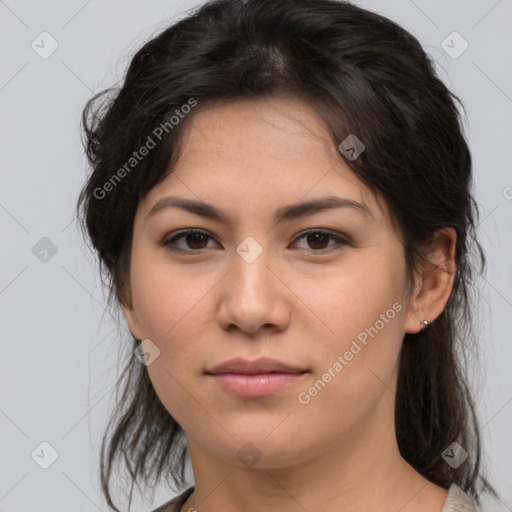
[[319, 289]]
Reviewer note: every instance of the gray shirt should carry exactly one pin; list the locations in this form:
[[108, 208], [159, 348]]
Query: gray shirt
[[456, 501]]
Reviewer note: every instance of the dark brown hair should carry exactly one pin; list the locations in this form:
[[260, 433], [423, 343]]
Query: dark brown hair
[[364, 75]]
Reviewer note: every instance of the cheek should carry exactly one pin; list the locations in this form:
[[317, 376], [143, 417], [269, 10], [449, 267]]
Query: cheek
[[165, 295], [358, 360], [171, 311], [359, 295]]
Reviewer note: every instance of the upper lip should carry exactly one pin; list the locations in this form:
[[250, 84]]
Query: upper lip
[[263, 365]]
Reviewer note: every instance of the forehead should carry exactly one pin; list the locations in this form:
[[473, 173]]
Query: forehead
[[277, 130], [259, 153]]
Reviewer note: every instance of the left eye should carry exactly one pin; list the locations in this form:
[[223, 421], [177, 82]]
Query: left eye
[[318, 239], [196, 240]]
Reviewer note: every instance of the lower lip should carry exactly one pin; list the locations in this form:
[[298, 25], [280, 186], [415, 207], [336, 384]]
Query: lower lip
[[255, 385]]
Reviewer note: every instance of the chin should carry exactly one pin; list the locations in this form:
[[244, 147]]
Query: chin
[[260, 447]]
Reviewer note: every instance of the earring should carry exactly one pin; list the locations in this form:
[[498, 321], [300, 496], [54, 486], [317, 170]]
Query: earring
[[426, 323]]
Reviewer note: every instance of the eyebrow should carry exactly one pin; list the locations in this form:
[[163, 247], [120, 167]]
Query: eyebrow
[[283, 214]]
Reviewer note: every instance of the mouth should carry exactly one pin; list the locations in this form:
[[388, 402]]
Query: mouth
[[259, 366], [254, 378]]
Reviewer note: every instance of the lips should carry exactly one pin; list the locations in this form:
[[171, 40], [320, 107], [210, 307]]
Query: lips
[[254, 379], [260, 366]]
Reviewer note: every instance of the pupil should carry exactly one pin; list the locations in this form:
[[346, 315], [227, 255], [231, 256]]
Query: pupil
[[317, 238], [193, 238]]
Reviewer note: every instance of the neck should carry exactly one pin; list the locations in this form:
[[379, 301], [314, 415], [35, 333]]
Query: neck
[[364, 473]]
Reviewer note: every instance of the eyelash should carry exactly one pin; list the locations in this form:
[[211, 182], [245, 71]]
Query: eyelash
[[167, 242]]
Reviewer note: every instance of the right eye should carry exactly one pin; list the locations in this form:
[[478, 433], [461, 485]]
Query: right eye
[[193, 240]]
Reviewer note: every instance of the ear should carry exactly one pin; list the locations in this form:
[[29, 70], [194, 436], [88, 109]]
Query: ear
[[434, 282], [130, 317]]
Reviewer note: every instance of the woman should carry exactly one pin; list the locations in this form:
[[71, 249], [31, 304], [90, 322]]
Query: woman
[[281, 203]]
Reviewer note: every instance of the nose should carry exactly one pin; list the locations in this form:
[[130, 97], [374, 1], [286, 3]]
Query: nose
[[253, 297]]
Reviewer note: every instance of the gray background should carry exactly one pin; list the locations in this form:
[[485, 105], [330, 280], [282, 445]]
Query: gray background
[[57, 388]]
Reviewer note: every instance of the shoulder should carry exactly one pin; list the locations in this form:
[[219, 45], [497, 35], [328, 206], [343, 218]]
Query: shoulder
[[458, 501], [176, 503]]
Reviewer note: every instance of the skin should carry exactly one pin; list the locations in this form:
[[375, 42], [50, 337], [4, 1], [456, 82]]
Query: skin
[[293, 303]]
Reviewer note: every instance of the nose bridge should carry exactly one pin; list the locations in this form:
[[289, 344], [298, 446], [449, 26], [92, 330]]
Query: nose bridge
[[252, 296], [251, 273]]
